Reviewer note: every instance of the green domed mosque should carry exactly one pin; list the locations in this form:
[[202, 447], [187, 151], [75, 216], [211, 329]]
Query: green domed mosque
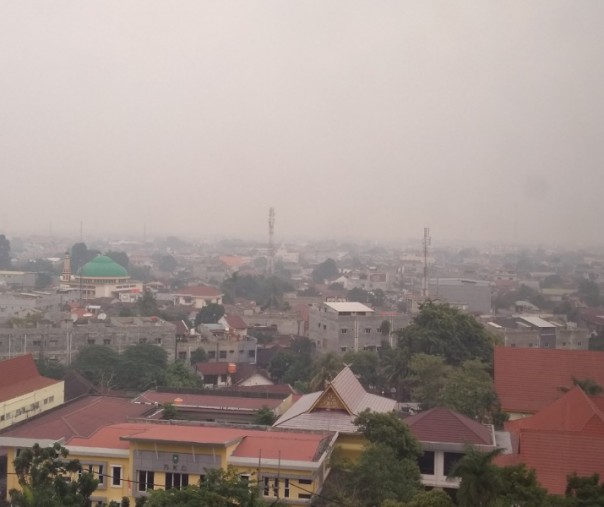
[[102, 277]]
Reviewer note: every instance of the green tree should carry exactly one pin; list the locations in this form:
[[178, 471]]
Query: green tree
[[442, 330], [209, 314], [359, 295], [385, 328], [384, 475], [142, 366], [220, 488], [377, 297], [326, 368], [584, 491], [590, 292], [120, 257], [47, 479], [178, 376], [5, 258], [589, 386], [481, 481], [43, 280], [520, 488], [169, 411], [428, 376], [147, 304], [395, 369], [433, 498], [324, 271], [50, 368], [80, 255], [199, 355], [167, 263], [364, 364], [265, 416], [99, 364], [280, 363], [469, 390], [389, 430]]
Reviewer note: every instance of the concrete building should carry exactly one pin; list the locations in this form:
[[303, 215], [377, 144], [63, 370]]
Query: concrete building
[[63, 342], [24, 392], [227, 346], [21, 304], [197, 296], [532, 331], [343, 326], [18, 279], [472, 295]]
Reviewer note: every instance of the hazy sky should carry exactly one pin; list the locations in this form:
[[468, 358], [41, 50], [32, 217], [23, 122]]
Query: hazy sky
[[368, 119]]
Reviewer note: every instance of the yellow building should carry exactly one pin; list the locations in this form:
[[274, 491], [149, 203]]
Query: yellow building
[[24, 392], [335, 409], [130, 459]]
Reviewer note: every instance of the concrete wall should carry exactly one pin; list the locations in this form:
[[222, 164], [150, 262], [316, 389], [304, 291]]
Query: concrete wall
[[25, 406]]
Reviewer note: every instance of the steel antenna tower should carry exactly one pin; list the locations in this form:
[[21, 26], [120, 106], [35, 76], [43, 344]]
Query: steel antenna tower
[[427, 241], [270, 263]]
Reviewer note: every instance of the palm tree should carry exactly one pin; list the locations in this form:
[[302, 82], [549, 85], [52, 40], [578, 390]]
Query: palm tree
[[481, 481], [395, 369], [326, 368]]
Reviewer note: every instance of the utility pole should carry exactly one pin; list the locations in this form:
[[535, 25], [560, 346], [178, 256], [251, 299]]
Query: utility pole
[[270, 262]]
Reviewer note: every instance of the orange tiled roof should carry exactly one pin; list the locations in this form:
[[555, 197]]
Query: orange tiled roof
[[527, 380], [19, 376]]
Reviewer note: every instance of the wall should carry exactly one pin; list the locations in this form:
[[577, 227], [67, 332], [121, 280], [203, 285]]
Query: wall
[[31, 404]]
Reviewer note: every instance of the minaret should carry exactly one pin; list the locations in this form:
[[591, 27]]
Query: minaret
[[66, 275]]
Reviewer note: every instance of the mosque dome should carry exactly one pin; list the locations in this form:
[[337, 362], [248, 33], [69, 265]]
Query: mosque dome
[[103, 267]]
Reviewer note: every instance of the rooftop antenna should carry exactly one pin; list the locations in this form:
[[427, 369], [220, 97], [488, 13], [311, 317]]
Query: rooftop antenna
[[270, 264], [427, 242]]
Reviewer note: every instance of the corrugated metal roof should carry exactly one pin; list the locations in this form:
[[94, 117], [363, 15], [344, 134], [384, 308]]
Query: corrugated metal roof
[[536, 321]]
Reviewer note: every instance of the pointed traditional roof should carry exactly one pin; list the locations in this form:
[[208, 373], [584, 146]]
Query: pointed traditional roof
[[336, 407]]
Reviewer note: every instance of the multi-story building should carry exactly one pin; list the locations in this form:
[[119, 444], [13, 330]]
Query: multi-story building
[[471, 295], [18, 279], [343, 326], [532, 331], [62, 342], [21, 304]]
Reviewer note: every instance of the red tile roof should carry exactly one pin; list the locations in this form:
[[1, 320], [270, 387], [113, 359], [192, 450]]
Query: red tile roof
[[81, 418], [565, 437], [235, 321], [19, 376], [446, 426], [269, 444], [209, 401], [527, 380], [202, 291], [212, 368]]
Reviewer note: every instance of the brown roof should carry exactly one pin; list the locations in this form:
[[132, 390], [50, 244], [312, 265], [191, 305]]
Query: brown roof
[[565, 437], [446, 426], [235, 321], [202, 291], [19, 376], [80, 418], [527, 380]]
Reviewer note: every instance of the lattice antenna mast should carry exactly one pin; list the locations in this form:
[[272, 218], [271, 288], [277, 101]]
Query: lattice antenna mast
[[270, 264], [427, 242]]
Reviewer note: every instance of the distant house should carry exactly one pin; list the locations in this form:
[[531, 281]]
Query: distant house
[[221, 374], [528, 380], [444, 436], [197, 296], [234, 324], [564, 437], [24, 392]]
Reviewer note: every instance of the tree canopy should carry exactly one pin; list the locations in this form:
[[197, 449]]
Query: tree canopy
[[324, 271], [5, 258], [209, 314]]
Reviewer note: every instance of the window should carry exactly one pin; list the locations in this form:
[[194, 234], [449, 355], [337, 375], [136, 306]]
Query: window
[[251, 353], [276, 487], [245, 477], [343, 330], [116, 475], [212, 354], [305, 481], [368, 330], [90, 341], [266, 488], [37, 343], [142, 340], [223, 354], [145, 480], [176, 481], [451, 459], [306, 496], [100, 474], [51, 399], [343, 349], [107, 341], [579, 344], [158, 341], [286, 488], [426, 463]]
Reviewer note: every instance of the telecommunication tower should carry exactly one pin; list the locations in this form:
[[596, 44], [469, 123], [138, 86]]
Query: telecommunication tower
[[270, 262], [427, 241]]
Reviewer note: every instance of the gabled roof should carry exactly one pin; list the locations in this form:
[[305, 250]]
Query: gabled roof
[[235, 321], [443, 425], [19, 376], [565, 437], [336, 407], [527, 380]]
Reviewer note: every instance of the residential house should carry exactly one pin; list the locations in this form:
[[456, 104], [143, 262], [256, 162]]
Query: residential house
[[197, 296]]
